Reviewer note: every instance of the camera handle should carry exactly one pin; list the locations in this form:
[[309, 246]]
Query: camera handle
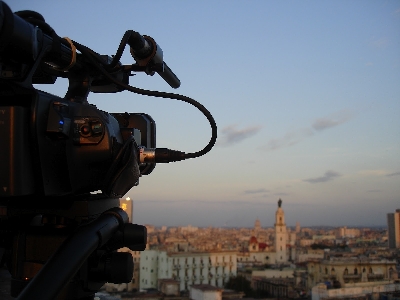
[[111, 227]]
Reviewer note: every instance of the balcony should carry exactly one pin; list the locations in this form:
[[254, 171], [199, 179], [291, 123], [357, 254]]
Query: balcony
[[351, 276], [375, 276], [329, 277]]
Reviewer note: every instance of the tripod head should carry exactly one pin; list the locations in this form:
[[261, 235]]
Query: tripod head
[[59, 151]]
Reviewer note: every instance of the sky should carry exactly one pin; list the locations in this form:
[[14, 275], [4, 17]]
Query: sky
[[305, 94]]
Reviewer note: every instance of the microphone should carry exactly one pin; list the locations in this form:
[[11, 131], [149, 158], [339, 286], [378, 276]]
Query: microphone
[[147, 53]]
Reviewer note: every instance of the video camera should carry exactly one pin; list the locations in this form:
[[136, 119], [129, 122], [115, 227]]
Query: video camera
[[65, 163]]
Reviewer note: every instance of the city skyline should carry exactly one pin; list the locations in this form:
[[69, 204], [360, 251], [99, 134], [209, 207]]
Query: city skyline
[[223, 221], [305, 95]]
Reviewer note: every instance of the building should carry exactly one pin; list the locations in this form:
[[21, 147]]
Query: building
[[339, 272], [209, 292], [169, 287], [277, 280], [260, 253], [359, 291], [127, 205], [275, 288], [205, 292], [257, 226], [280, 235], [344, 232], [393, 222], [189, 268]]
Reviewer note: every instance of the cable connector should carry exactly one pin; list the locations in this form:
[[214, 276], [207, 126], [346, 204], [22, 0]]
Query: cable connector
[[160, 155]]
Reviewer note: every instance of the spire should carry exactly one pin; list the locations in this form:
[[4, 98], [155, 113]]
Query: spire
[[280, 214]]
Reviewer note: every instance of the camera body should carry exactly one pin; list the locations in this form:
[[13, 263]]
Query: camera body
[[55, 147]]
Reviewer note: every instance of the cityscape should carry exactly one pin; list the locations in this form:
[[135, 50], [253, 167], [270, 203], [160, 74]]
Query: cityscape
[[275, 262]]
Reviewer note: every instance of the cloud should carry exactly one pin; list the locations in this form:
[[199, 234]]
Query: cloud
[[329, 175], [289, 139], [256, 191], [379, 172], [230, 135], [331, 121], [393, 174], [293, 137]]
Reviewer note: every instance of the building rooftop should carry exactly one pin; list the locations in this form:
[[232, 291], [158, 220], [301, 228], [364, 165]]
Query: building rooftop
[[206, 287]]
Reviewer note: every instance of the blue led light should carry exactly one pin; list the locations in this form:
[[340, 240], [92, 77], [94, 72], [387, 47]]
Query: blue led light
[[61, 122]]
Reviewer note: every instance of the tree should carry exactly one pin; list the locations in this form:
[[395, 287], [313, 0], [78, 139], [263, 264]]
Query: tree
[[240, 284]]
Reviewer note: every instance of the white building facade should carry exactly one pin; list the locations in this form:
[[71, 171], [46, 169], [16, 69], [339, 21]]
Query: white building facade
[[189, 268]]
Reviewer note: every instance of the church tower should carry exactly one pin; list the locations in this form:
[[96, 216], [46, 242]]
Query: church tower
[[280, 235]]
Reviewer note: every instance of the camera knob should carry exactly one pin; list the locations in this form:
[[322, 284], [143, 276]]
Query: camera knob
[[85, 130]]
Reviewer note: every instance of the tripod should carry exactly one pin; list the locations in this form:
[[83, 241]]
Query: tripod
[[70, 253]]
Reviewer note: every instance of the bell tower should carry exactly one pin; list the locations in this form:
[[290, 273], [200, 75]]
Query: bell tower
[[280, 234]]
